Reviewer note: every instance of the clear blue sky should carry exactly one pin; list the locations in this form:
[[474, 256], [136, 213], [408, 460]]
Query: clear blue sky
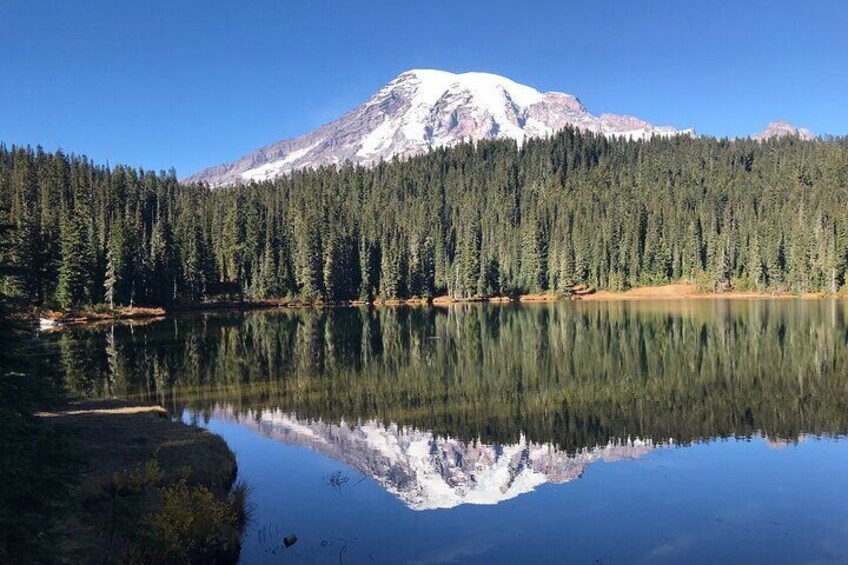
[[189, 84]]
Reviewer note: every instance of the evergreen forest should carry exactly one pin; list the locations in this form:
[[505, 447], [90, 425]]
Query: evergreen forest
[[474, 220]]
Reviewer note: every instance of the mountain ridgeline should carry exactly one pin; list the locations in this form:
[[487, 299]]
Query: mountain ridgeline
[[473, 220]]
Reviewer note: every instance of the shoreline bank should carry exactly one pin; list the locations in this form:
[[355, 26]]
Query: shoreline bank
[[690, 292], [141, 477], [51, 319]]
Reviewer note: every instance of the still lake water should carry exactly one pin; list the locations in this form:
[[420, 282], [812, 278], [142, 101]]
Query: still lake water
[[652, 432]]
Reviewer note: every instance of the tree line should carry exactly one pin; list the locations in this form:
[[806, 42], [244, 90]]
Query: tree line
[[475, 220]]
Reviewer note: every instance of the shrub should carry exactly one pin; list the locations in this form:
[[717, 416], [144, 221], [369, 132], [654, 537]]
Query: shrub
[[193, 526]]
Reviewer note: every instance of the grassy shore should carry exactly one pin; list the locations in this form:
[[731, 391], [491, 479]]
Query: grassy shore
[[148, 489]]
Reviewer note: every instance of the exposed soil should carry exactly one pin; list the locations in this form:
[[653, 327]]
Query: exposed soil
[[686, 292]]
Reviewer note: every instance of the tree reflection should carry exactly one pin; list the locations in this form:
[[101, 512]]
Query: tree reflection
[[570, 374]]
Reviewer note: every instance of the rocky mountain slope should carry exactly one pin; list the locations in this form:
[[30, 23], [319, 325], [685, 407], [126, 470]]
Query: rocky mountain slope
[[422, 109]]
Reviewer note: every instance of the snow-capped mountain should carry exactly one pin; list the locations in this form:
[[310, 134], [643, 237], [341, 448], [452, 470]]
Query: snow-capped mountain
[[422, 109], [782, 129], [426, 471]]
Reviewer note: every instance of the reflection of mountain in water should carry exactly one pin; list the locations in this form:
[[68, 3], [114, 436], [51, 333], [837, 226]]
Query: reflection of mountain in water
[[427, 471]]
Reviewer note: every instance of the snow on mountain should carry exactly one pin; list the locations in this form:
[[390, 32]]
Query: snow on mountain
[[423, 109], [426, 471], [782, 129]]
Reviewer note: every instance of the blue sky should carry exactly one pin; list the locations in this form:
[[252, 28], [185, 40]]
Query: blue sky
[[190, 84]]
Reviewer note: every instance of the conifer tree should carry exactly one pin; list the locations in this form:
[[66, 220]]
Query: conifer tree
[[75, 271]]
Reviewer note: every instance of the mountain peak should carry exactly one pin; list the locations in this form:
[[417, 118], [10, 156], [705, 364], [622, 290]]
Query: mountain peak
[[475, 82], [780, 128], [422, 109]]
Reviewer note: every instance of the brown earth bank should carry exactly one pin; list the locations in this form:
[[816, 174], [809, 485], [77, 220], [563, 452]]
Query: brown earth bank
[[690, 292], [149, 489]]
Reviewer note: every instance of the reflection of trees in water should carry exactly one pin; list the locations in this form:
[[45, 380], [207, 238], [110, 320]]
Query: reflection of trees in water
[[572, 374]]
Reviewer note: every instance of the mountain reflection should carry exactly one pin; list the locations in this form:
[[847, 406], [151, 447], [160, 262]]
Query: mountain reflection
[[570, 375], [426, 471]]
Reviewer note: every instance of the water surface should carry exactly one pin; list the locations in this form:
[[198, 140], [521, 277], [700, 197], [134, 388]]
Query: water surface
[[700, 431]]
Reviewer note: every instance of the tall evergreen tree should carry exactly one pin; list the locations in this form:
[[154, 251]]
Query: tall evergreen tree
[[75, 271]]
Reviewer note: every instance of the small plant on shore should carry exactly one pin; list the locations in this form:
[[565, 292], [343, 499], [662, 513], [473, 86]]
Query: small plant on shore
[[192, 525], [134, 481], [704, 282], [180, 521], [241, 503]]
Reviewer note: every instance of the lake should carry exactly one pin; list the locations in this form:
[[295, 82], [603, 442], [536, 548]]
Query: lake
[[700, 431]]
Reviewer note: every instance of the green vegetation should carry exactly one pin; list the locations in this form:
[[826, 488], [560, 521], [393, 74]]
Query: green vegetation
[[156, 520], [144, 489], [574, 374], [56, 506], [472, 220], [469, 221], [181, 538], [35, 465]]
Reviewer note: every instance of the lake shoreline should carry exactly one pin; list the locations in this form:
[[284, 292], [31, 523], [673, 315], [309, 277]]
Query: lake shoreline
[[690, 292], [133, 460], [55, 319]]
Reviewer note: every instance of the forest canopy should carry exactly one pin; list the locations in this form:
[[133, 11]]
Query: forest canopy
[[474, 220]]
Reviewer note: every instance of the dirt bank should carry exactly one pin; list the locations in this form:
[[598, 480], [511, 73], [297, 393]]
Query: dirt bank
[[688, 292]]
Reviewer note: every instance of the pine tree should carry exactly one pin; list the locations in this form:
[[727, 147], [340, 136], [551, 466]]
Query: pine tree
[[333, 283], [269, 283], [427, 266], [470, 277], [26, 256], [308, 258], [77, 263], [369, 264], [162, 264], [111, 281]]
